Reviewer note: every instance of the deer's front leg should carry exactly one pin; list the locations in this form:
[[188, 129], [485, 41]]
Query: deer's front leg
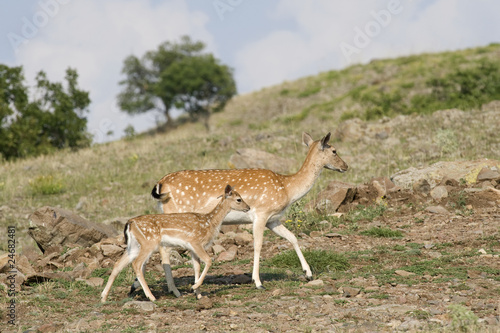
[[258, 236], [280, 230]]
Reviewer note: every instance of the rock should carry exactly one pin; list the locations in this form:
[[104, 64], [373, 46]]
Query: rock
[[111, 250], [228, 255], [4, 263], [229, 228], [95, 281], [457, 170], [350, 291], [487, 174], [24, 266], [439, 192], [80, 272], [403, 273], [141, 306], [335, 235], [204, 303], [446, 181], [243, 238], [315, 283], [382, 185], [315, 233], [216, 249], [56, 226], [421, 186], [335, 194], [253, 158], [437, 210]]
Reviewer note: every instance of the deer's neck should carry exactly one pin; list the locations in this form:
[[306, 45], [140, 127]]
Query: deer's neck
[[217, 215], [298, 184]]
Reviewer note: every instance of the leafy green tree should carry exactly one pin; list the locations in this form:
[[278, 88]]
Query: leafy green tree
[[53, 119], [176, 75]]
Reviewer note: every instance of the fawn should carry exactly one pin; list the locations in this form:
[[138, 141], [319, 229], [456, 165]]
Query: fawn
[[191, 231]]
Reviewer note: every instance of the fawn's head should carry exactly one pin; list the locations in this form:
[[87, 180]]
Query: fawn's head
[[324, 154], [235, 200]]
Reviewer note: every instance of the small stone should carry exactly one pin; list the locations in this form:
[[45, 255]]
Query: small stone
[[204, 303], [487, 174], [422, 186], [350, 291], [437, 210], [141, 306], [111, 250], [315, 234], [228, 255], [243, 238], [216, 249], [403, 273], [439, 192], [95, 281], [315, 283]]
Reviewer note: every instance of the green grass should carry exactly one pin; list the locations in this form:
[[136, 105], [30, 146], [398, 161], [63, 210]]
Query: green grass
[[382, 232], [366, 213], [319, 260]]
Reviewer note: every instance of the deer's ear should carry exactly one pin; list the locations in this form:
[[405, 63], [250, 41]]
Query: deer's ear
[[228, 191], [324, 141], [307, 139]]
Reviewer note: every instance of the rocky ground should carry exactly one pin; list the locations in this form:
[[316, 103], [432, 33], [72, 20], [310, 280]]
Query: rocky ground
[[441, 274]]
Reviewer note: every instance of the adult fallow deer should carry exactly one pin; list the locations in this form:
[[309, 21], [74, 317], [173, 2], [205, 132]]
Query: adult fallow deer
[[267, 193]]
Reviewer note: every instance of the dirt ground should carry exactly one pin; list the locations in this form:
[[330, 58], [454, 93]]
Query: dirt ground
[[457, 289]]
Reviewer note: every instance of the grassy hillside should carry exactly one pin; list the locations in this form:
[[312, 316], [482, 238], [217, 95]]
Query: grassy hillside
[[114, 179]]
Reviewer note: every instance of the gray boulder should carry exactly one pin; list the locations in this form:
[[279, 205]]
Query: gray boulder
[[51, 226]]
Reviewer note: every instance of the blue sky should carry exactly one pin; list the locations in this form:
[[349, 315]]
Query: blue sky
[[265, 41]]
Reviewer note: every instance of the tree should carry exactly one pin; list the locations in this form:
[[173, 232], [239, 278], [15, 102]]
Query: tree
[[53, 119], [176, 75]]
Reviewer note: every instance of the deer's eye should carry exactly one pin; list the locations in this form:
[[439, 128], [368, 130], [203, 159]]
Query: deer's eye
[[238, 200]]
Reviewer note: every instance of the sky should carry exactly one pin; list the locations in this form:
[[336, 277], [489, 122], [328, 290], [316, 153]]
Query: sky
[[266, 42]]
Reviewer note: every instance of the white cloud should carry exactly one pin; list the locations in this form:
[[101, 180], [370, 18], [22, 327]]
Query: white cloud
[[323, 26], [94, 37]]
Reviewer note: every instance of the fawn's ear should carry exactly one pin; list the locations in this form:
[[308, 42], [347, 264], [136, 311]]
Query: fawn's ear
[[228, 191], [324, 141], [307, 139]]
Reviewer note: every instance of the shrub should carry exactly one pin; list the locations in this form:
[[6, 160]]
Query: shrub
[[46, 185]]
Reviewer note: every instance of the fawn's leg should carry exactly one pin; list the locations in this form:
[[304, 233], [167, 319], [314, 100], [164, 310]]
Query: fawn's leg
[[196, 266], [137, 265], [203, 255], [117, 268]]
